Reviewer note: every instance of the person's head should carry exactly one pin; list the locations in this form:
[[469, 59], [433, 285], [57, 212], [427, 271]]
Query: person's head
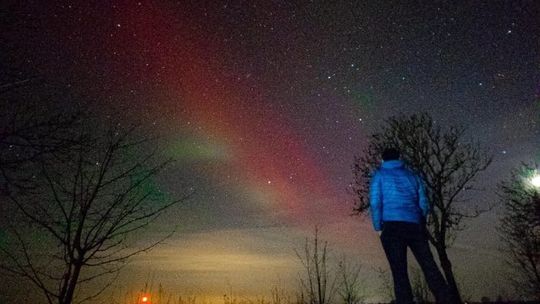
[[390, 154]]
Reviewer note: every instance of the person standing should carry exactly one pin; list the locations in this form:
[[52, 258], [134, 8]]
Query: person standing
[[399, 208]]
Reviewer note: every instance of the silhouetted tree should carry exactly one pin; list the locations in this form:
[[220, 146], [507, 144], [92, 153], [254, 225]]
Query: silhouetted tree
[[350, 287], [447, 163], [30, 128], [520, 229], [75, 223], [318, 283]]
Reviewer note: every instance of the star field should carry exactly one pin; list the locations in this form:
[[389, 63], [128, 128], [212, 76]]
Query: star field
[[265, 103]]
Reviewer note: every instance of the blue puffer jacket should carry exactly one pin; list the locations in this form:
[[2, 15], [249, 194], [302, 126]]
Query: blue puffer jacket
[[396, 194]]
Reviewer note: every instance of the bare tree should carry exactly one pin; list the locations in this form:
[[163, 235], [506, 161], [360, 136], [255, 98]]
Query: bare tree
[[85, 205], [30, 128], [318, 284], [447, 163], [350, 287], [520, 229]]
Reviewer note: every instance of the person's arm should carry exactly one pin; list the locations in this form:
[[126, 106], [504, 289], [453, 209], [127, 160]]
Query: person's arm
[[422, 198], [375, 201]]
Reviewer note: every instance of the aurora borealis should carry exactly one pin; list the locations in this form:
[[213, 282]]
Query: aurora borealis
[[263, 105]]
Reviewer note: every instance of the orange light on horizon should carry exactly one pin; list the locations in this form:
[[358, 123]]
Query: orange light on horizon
[[145, 299]]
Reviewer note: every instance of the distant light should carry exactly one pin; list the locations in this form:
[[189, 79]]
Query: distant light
[[144, 299], [535, 181]]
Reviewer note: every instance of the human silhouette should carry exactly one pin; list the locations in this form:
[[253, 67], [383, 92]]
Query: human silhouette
[[399, 207]]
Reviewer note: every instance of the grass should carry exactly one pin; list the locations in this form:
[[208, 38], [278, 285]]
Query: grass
[[160, 296]]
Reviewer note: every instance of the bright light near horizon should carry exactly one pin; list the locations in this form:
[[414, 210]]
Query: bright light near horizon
[[144, 299], [535, 181]]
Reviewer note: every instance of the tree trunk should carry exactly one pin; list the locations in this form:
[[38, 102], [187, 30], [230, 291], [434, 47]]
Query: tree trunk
[[449, 275], [68, 298]]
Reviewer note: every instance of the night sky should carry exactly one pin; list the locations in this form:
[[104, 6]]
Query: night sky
[[265, 103]]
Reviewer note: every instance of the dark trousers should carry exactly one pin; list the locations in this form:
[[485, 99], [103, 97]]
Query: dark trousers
[[395, 238]]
